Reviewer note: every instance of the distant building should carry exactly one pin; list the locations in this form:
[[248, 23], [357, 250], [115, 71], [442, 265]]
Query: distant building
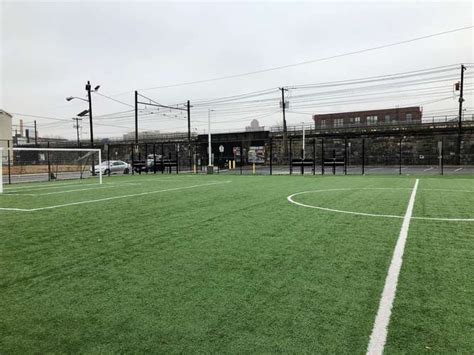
[[5, 131], [254, 127], [141, 135], [391, 116], [156, 135]]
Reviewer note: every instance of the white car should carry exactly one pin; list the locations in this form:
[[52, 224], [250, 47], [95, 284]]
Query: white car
[[112, 166]]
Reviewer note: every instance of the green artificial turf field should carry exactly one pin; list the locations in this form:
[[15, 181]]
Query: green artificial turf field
[[226, 264]]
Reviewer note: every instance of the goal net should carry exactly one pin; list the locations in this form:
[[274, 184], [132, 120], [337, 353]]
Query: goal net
[[50, 164]]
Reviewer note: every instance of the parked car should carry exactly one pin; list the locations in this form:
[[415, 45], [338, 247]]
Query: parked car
[[112, 166]]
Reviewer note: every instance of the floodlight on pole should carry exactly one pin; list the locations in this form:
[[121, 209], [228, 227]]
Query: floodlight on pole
[[69, 98], [83, 113]]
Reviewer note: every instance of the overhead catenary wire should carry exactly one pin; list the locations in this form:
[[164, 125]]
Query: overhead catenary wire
[[365, 50]]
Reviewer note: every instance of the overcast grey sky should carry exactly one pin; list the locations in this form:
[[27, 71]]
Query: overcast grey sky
[[50, 49]]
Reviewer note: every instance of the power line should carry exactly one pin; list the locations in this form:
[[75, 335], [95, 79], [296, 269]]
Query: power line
[[310, 61], [111, 98]]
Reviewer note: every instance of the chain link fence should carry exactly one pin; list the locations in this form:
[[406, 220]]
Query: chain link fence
[[443, 154]]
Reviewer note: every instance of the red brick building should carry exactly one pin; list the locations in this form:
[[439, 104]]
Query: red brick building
[[390, 116]]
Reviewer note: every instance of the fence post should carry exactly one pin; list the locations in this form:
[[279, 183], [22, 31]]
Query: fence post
[[302, 161], [162, 158], [314, 156], [146, 158], [400, 157], [345, 155], [108, 158], [363, 156], [442, 155], [49, 165], [290, 157], [9, 163], [133, 158], [322, 156], [241, 157], [271, 156], [154, 158], [176, 148]]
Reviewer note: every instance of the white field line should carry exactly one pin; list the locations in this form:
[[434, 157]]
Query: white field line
[[56, 186], [291, 200], [428, 169], [62, 192], [109, 198], [458, 169], [451, 190], [100, 187], [382, 320]]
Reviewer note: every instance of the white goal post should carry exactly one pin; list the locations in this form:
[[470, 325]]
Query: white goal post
[[30, 165]]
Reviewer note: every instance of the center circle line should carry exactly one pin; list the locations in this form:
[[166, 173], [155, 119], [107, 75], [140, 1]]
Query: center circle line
[[290, 198]]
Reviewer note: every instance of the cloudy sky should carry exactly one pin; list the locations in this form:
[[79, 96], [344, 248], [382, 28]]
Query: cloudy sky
[[50, 49]]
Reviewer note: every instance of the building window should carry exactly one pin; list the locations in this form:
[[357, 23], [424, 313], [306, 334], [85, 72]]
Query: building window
[[323, 123], [409, 117], [338, 122], [387, 119], [356, 120], [372, 120]]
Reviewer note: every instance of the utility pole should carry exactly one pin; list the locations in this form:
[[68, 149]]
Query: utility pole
[[461, 100], [36, 135], [77, 126], [285, 132]]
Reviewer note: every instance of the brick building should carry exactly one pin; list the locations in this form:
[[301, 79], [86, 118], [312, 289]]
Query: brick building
[[391, 116]]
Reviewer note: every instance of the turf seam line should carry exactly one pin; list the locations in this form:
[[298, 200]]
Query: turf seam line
[[382, 320]]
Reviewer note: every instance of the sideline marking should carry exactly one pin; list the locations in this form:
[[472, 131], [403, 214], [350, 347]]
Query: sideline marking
[[110, 198], [291, 200], [379, 332], [61, 192], [51, 185], [108, 185]]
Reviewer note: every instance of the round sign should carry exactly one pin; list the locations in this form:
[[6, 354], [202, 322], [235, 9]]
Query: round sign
[[221, 148]]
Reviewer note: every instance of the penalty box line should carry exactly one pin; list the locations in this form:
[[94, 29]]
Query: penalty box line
[[378, 337], [110, 198]]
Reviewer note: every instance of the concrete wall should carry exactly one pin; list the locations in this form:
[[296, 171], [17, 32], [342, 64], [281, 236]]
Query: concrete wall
[[5, 131]]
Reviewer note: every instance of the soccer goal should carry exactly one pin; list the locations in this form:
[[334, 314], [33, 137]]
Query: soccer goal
[[50, 164]]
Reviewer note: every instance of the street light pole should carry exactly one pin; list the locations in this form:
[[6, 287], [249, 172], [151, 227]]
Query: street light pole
[[88, 89], [85, 112]]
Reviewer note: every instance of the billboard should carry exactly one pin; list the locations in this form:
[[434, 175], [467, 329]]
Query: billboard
[[256, 154]]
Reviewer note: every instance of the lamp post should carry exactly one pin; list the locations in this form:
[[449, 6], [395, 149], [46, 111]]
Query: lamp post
[[88, 100]]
